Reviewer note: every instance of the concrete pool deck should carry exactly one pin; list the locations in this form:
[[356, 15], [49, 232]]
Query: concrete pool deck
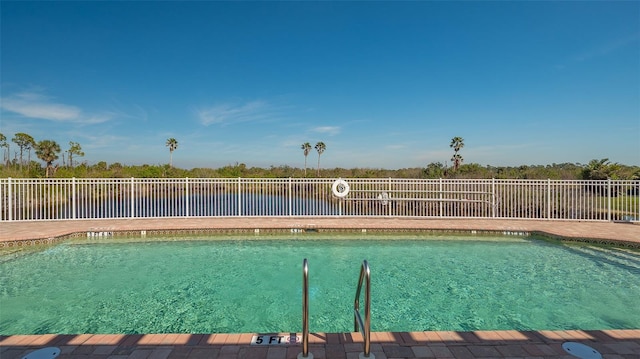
[[612, 344], [626, 233]]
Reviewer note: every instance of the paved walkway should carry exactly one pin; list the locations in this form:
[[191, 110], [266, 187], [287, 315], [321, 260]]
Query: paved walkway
[[612, 344], [606, 231], [615, 344]]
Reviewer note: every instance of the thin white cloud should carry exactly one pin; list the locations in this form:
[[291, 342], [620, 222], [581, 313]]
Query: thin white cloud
[[608, 48], [107, 141], [330, 130], [37, 106], [97, 118], [130, 112], [229, 113]]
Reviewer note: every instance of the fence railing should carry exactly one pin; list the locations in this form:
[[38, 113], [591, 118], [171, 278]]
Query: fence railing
[[97, 198]]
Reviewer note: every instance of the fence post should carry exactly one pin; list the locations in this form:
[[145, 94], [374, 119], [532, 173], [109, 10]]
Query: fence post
[[339, 206], [290, 197], [239, 200], [186, 199], [131, 193], [440, 196], [73, 198], [493, 198], [10, 193], [548, 198], [389, 202], [609, 199]]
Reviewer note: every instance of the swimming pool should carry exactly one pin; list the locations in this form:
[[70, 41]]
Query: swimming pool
[[195, 285]]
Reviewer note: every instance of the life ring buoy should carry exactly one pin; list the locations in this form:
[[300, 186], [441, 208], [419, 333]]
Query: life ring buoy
[[340, 188], [384, 198]]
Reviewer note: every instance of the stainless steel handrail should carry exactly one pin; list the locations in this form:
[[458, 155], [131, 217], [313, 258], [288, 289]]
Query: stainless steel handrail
[[365, 275], [305, 310]]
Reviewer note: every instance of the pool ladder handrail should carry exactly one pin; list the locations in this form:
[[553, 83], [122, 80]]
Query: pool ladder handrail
[[305, 312], [359, 324]]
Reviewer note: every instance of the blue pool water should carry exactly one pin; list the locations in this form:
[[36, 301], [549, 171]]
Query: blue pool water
[[187, 285]]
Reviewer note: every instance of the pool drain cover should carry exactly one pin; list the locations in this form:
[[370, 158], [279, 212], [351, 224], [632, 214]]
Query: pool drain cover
[[581, 351], [44, 353]]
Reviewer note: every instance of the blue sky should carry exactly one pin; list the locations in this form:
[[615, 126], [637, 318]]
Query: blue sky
[[382, 84]]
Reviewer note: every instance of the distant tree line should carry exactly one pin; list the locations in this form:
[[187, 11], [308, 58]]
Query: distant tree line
[[434, 170], [19, 164]]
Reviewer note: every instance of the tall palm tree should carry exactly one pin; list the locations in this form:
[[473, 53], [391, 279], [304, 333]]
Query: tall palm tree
[[306, 148], [457, 160], [172, 144], [74, 149], [19, 140], [47, 151], [456, 143], [320, 147], [24, 142], [3, 144]]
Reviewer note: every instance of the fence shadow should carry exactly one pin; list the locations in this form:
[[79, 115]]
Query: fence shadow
[[477, 344]]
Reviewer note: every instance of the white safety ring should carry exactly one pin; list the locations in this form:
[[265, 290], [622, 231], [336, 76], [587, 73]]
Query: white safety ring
[[384, 198], [340, 188]]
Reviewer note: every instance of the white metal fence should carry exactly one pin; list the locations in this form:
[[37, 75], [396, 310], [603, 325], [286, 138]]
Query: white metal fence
[[94, 198]]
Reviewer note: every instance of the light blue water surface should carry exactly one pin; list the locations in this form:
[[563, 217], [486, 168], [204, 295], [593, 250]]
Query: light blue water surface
[[249, 285]]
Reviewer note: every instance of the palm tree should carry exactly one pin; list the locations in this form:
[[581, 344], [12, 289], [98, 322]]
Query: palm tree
[[24, 142], [74, 149], [47, 151], [600, 169], [3, 143], [172, 144], [456, 143], [306, 147], [457, 160], [320, 147]]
